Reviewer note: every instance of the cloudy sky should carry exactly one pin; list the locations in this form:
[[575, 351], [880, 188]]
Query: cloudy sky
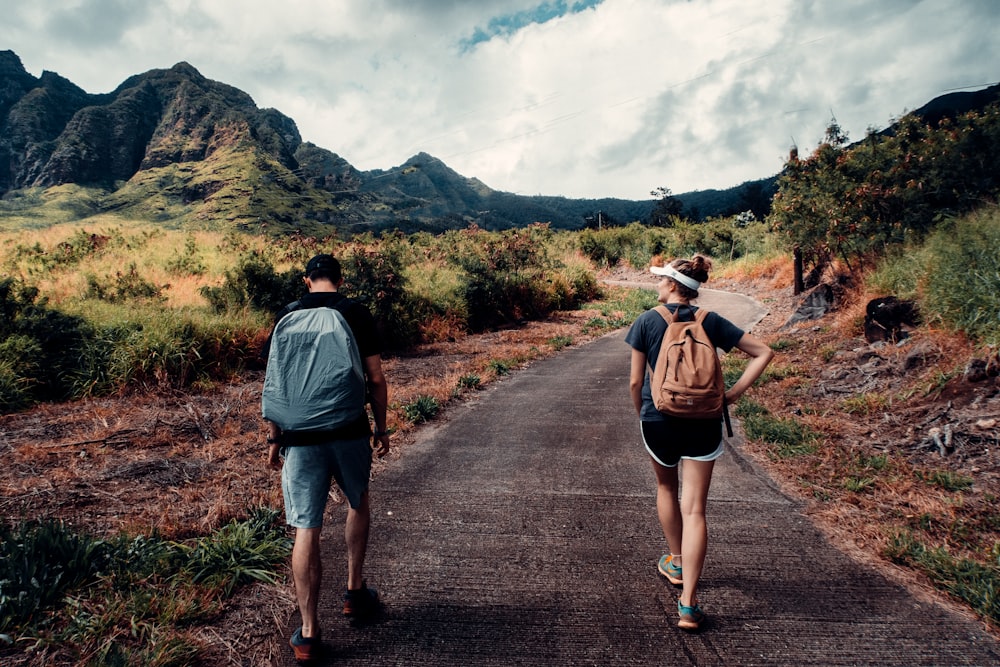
[[581, 98]]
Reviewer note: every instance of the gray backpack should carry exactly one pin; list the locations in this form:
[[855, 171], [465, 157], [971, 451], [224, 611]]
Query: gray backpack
[[314, 379]]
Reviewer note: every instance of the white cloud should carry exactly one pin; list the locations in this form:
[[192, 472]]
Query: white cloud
[[583, 99]]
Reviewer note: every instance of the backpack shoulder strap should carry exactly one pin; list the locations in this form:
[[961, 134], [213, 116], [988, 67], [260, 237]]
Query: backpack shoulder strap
[[666, 314], [289, 308]]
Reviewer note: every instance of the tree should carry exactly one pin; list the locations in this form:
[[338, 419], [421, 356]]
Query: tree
[[668, 207]]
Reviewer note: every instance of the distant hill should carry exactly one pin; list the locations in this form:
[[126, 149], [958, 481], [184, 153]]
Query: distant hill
[[174, 147]]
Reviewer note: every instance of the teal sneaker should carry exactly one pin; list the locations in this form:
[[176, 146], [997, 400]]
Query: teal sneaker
[[669, 570], [691, 617]]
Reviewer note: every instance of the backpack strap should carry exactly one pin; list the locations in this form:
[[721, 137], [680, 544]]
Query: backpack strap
[[671, 317]]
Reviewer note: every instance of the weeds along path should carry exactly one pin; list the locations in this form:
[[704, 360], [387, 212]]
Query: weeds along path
[[520, 530]]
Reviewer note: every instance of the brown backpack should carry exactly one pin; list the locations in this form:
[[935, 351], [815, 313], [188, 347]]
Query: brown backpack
[[687, 381]]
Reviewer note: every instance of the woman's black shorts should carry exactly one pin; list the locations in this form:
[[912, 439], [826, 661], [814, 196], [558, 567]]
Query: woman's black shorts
[[674, 439]]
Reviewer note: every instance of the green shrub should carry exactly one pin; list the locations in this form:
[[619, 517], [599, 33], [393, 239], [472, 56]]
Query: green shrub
[[962, 275], [44, 353], [124, 286], [470, 381], [422, 409], [373, 275], [255, 282], [188, 262]]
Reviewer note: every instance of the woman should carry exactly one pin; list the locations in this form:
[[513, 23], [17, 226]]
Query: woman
[[670, 439]]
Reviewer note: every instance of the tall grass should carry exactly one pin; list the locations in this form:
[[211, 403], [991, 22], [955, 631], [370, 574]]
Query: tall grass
[[100, 308], [127, 599], [954, 274]]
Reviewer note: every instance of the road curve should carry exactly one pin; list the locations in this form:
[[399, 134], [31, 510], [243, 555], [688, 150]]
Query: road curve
[[521, 530]]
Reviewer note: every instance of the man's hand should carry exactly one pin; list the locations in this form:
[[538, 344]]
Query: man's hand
[[273, 460], [380, 445]]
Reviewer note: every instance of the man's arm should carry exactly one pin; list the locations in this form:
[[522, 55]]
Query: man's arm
[[379, 390], [273, 446]]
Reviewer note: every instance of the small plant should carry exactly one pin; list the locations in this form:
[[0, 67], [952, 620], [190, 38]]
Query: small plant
[[790, 437], [783, 344], [859, 484], [499, 367], [827, 352], [237, 553], [470, 381], [422, 409], [187, 262], [596, 324], [865, 404], [127, 600], [876, 462], [560, 342], [946, 479]]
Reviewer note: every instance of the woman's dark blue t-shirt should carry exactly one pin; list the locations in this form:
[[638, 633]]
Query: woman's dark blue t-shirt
[[646, 334]]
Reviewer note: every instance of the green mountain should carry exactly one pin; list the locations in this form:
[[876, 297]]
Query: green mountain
[[174, 147]]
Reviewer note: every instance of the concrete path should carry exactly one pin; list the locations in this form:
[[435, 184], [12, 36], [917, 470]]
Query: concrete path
[[521, 530]]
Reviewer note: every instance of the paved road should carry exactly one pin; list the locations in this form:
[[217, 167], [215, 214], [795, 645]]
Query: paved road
[[521, 530]]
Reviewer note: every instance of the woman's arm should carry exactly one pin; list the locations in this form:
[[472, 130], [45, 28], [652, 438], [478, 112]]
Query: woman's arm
[[637, 375], [760, 357]]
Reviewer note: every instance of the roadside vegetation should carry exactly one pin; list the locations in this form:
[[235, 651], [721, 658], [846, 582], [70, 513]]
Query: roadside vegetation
[[115, 308]]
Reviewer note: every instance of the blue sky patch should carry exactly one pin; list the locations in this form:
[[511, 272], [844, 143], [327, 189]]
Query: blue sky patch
[[508, 24]]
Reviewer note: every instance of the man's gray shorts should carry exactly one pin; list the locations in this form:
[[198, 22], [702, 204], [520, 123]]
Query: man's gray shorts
[[308, 470]]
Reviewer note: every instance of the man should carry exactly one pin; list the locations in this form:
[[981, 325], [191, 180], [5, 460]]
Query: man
[[313, 457]]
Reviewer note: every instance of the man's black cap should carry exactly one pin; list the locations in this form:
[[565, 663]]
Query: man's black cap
[[326, 262]]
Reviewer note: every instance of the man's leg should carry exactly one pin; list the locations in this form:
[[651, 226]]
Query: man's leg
[[356, 536], [307, 572]]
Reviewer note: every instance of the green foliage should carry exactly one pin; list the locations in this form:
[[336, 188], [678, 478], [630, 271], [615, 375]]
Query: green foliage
[[126, 600], [373, 274], [255, 282], [39, 562], [789, 437], [240, 552], [559, 342], [946, 479], [499, 367], [422, 409], [124, 286], [635, 244], [470, 381], [118, 330], [954, 275], [505, 275], [848, 203], [45, 355], [974, 583], [187, 262], [962, 283]]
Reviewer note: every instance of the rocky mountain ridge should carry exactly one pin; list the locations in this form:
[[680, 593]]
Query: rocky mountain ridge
[[174, 147]]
